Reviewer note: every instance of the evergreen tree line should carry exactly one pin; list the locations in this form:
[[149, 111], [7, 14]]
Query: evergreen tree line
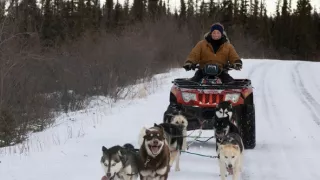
[[290, 34], [56, 54]]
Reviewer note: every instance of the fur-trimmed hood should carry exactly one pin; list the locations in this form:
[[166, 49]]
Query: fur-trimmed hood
[[224, 34]]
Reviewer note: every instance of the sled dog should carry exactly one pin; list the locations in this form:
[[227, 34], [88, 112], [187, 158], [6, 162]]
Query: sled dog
[[223, 123], [224, 109], [120, 163], [231, 156], [182, 122], [154, 154], [174, 137]]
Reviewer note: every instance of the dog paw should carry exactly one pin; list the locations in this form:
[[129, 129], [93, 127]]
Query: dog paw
[[177, 169]]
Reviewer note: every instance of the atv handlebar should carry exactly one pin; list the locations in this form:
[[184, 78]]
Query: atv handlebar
[[225, 68]]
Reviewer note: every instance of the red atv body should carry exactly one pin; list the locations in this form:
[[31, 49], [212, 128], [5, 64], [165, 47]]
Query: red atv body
[[197, 102]]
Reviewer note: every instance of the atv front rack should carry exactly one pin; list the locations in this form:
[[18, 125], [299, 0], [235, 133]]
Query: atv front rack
[[237, 84]]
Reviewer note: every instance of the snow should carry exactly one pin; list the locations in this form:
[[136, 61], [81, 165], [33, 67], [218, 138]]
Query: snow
[[287, 103]]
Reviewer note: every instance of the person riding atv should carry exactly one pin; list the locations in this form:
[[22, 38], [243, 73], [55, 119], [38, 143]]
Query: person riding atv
[[214, 48]]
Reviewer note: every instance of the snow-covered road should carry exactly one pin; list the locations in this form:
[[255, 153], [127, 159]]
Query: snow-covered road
[[287, 99]]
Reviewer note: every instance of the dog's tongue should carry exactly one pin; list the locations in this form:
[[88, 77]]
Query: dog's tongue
[[230, 170], [154, 149], [104, 178]]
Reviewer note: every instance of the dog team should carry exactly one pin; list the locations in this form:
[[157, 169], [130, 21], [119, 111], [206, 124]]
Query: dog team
[[161, 145]]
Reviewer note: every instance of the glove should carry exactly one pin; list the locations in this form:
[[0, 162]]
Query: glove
[[237, 65], [187, 66]]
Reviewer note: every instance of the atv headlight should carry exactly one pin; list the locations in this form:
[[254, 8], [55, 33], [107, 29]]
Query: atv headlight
[[234, 97], [189, 96]]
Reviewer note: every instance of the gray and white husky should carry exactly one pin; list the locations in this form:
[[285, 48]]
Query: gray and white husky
[[120, 162]]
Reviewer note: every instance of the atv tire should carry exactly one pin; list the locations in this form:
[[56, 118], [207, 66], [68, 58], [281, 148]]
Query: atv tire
[[248, 125]]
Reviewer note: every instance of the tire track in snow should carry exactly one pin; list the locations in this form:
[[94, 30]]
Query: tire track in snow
[[310, 143], [262, 85], [278, 142], [306, 98], [254, 69], [316, 84], [270, 98], [268, 114], [245, 175], [258, 74]]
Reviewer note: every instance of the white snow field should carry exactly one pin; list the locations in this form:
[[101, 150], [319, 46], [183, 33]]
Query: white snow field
[[287, 100]]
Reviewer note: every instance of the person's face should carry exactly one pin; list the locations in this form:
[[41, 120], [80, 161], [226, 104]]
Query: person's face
[[216, 35]]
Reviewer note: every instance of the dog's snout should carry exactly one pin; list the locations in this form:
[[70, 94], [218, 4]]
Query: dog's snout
[[155, 142], [230, 166], [108, 174]]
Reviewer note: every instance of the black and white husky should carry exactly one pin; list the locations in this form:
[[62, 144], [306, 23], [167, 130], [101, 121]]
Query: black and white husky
[[223, 121], [224, 109]]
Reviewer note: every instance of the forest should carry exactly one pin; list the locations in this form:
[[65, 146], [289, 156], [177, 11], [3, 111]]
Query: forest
[[56, 54]]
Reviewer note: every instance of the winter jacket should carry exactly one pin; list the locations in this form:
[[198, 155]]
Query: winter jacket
[[203, 53]]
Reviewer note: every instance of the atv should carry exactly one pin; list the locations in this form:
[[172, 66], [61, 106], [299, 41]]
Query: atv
[[197, 101]]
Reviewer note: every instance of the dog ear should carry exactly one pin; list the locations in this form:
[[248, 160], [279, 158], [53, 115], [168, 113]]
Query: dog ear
[[104, 149], [147, 132], [162, 129], [119, 153], [122, 155]]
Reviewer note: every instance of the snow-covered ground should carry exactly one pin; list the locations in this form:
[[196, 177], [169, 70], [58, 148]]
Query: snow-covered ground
[[287, 103]]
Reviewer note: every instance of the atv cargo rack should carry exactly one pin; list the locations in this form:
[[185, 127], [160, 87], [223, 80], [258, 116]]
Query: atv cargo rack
[[237, 84]]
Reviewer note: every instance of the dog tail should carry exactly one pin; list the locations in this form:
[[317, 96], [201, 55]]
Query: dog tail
[[142, 133]]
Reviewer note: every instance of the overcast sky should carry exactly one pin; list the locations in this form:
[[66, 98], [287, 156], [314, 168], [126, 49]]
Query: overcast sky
[[271, 4]]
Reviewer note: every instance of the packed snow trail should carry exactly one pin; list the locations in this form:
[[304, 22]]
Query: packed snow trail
[[287, 100]]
